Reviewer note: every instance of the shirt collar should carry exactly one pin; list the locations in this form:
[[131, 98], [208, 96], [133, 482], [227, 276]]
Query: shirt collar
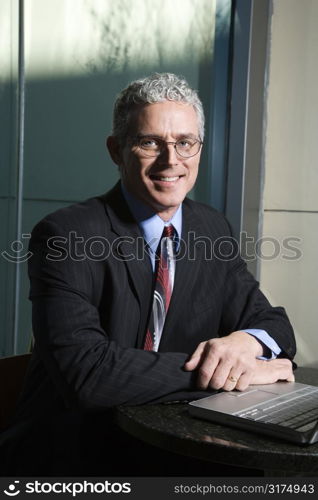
[[151, 225]]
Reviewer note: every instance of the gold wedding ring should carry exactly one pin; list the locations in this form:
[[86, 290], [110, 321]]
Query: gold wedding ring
[[232, 379]]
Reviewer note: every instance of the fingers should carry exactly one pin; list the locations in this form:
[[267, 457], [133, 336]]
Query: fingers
[[195, 359], [213, 372], [229, 378], [231, 381], [284, 370], [266, 372], [239, 383], [221, 366], [229, 363], [269, 372], [226, 377]]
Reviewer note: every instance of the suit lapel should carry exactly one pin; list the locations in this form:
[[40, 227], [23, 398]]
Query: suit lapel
[[130, 247]]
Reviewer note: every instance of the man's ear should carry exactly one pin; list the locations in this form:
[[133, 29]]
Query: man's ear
[[114, 149]]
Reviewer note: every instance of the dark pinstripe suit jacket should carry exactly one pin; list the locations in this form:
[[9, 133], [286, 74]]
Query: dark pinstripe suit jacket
[[91, 305]]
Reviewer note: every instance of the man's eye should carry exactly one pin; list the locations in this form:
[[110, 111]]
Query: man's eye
[[149, 143], [185, 143]]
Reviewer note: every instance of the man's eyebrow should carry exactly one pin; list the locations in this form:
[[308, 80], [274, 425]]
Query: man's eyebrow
[[178, 136], [190, 136], [141, 136]]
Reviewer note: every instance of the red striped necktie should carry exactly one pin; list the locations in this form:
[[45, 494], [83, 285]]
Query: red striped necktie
[[163, 289]]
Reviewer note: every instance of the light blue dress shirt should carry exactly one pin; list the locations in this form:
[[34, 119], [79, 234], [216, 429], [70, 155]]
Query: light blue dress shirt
[[151, 226]]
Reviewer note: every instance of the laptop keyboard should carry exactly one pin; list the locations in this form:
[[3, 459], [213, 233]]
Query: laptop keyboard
[[298, 410]]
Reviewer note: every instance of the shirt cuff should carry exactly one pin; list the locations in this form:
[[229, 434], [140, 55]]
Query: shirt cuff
[[273, 348]]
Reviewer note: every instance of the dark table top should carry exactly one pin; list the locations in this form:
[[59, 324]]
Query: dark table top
[[170, 427]]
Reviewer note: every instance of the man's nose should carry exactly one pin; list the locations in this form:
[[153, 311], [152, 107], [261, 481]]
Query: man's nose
[[168, 155]]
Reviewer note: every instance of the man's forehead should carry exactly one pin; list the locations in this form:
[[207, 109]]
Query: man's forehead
[[179, 117]]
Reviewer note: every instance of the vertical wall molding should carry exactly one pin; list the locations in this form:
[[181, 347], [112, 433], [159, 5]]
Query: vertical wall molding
[[246, 133], [20, 170]]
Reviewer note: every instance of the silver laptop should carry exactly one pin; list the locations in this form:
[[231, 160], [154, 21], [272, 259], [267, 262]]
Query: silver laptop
[[286, 410]]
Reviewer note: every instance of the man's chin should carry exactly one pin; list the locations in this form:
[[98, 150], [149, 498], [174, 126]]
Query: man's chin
[[166, 210]]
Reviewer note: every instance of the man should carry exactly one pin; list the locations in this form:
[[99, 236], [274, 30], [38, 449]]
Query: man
[[101, 338]]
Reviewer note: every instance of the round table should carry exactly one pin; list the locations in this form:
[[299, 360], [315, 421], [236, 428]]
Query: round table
[[171, 428]]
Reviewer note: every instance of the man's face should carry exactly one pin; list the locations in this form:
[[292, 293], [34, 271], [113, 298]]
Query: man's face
[[161, 182]]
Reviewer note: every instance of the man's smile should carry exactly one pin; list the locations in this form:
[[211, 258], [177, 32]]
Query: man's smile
[[165, 178]]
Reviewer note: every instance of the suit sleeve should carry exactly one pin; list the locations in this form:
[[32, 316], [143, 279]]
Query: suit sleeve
[[246, 307], [88, 369]]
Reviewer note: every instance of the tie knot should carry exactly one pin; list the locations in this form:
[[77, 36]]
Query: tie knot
[[168, 231]]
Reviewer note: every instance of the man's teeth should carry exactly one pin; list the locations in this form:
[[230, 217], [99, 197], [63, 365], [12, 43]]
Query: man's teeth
[[168, 179]]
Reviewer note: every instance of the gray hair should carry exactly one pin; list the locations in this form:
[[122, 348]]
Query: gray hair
[[155, 88]]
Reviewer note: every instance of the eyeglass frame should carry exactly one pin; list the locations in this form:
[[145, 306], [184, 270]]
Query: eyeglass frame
[[174, 143]]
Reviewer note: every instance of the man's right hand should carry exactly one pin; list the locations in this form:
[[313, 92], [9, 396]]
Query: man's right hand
[[268, 372]]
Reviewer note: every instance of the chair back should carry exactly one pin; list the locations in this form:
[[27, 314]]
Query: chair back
[[12, 374]]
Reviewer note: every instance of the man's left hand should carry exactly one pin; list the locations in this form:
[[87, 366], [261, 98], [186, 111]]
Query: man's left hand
[[226, 363]]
